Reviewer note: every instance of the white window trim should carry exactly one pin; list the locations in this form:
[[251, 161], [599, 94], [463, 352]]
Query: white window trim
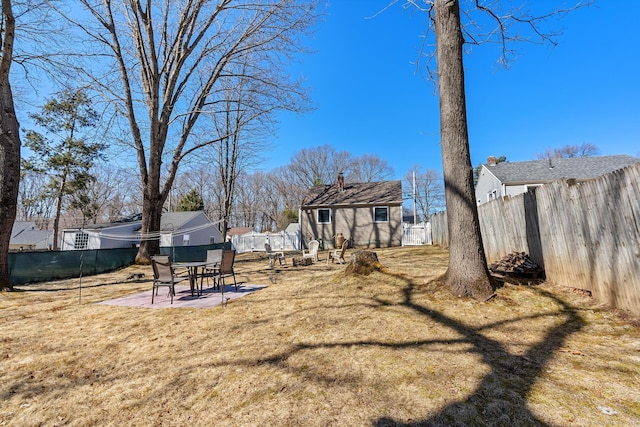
[[318, 215], [493, 193], [380, 207], [81, 240]]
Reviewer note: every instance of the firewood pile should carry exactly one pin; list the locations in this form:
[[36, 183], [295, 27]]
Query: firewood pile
[[299, 261], [516, 263]]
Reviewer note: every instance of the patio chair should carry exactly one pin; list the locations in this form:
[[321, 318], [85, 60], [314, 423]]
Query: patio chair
[[338, 254], [210, 271], [226, 269], [164, 275], [313, 250], [274, 255]]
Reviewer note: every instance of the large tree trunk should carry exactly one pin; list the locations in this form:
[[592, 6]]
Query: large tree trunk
[[9, 147], [151, 216], [467, 274]]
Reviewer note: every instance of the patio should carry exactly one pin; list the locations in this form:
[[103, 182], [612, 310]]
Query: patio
[[183, 299]]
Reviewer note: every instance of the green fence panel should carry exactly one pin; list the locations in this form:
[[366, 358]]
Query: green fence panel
[[30, 267], [192, 253]]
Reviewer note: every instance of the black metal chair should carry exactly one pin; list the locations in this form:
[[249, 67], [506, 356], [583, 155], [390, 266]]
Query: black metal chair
[[226, 268], [163, 275]]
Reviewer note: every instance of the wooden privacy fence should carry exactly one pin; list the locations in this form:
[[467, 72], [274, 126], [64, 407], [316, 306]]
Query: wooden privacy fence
[[585, 235]]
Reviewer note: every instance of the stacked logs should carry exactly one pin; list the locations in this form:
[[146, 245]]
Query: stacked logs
[[516, 263], [302, 261]]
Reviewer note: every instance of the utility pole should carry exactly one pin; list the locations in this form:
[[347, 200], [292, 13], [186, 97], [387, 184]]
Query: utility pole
[[415, 211]]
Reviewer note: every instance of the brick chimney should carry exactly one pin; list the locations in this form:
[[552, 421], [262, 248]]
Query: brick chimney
[[340, 182], [491, 160]]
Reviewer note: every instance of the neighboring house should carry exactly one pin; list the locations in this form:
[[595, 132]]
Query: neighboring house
[[512, 178], [238, 231], [26, 236], [188, 229], [369, 214], [176, 229]]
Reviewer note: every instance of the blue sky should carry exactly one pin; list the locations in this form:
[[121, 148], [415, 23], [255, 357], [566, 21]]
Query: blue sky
[[370, 97]]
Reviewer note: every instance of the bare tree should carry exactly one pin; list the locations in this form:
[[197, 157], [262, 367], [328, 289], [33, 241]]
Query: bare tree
[[252, 205], [570, 151], [317, 166], [205, 180], [32, 206], [428, 193], [467, 274], [104, 199], [246, 105], [287, 196], [9, 144], [171, 59], [369, 168]]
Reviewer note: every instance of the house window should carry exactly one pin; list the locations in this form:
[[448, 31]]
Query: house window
[[324, 216], [492, 195], [81, 240], [381, 214]]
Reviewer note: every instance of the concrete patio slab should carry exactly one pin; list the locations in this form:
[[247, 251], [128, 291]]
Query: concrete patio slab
[[183, 298]]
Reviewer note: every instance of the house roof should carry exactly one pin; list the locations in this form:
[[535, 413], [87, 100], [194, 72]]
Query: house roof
[[27, 233], [549, 170], [238, 231], [31, 237], [365, 193], [171, 221], [20, 226]]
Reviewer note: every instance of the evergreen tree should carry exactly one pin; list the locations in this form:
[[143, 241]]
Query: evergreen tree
[[66, 156], [192, 201]]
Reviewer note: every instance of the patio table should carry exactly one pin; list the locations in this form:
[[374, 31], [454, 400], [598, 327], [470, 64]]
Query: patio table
[[192, 271]]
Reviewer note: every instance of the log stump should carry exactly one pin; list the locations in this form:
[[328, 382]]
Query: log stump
[[363, 263]]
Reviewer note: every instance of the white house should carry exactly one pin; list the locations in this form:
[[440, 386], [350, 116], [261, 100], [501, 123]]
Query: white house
[[176, 229], [512, 178]]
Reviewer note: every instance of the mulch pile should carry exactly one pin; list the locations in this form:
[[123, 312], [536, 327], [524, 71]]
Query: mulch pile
[[517, 264]]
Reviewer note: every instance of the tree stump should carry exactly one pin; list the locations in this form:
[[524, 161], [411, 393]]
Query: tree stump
[[363, 263]]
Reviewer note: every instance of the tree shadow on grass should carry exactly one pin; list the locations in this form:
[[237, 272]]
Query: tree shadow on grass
[[501, 397]]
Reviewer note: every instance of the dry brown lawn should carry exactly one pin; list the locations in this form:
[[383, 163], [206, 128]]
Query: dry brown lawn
[[317, 348]]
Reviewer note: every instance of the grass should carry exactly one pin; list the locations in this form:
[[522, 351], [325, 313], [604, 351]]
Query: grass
[[318, 348]]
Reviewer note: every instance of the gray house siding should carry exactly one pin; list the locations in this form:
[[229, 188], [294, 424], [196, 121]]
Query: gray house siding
[[356, 223], [26, 236], [178, 229], [205, 233], [107, 237], [487, 184]]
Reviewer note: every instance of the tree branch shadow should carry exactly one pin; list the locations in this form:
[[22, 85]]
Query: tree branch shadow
[[500, 398]]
